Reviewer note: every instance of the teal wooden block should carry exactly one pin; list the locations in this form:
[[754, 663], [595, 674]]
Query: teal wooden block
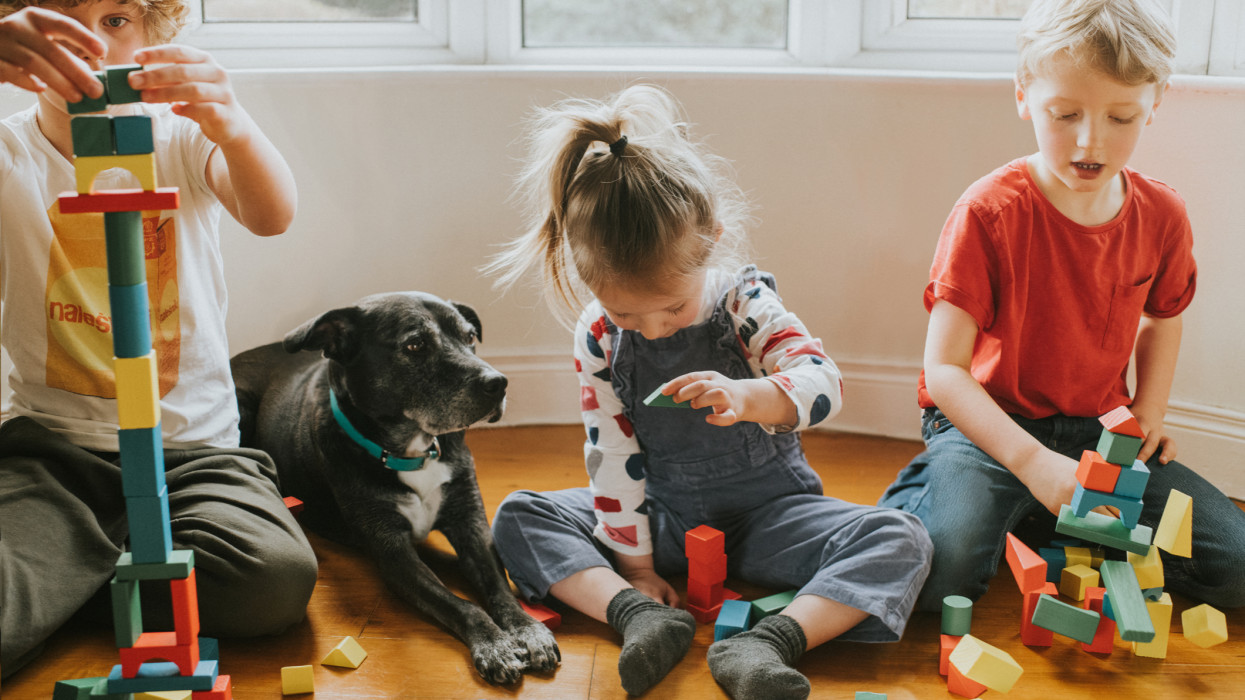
[[1132, 481], [91, 104], [163, 675], [1154, 594], [142, 461], [732, 619], [127, 612], [659, 399], [75, 689], [117, 78], [132, 134], [179, 565], [92, 135], [1128, 607], [1119, 449], [131, 322], [1056, 560], [1068, 620], [771, 605], [1104, 529], [866, 695], [1085, 500], [123, 243], [957, 615], [209, 649], [151, 540]]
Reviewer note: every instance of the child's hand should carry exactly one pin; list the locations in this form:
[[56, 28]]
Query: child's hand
[[734, 400], [1054, 479], [41, 49], [198, 87], [1156, 439], [639, 572]]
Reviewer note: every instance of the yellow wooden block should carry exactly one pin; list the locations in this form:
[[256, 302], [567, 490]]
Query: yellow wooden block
[[1204, 626], [1149, 568], [1161, 615], [164, 695], [1175, 531], [297, 679], [985, 664], [1078, 555], [1098, 555], [142, 165], [347, 654], [1073, 580], [138, 392]]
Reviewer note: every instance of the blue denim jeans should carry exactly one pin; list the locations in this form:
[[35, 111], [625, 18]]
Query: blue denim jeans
[[968, 502]]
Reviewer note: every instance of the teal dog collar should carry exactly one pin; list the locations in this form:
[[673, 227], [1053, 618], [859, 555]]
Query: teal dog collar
[[401, 464]]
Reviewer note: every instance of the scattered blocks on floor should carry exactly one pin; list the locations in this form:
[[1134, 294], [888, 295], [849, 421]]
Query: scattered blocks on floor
[[545, 616], [1128, 608], [961, 685], [1028, 568], [1160, 612], [1057, 616], [348, 654], [1030, 634], [294, 505], [732, 619], [771, 605], [957, 615], [986, 664], [946, 645], [1103, 529], [1175, 531], [76, 688], [1104, 637], [1076, 579], [1204, 626], [297, 679]]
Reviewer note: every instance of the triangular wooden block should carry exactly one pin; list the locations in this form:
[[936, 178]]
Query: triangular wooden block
[[1175, 531], [659, 399], [1122, 422], [347, 654]]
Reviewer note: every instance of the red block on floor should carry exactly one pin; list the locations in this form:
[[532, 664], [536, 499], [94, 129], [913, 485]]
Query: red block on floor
[[294, 505], [704, 542], [1027, 566], [223, 690], [946, 645], [545, 616], [1030, 634], [705, 616], [959, 684], [704, 595], [707, 570], [159, 646], [1104, 638]]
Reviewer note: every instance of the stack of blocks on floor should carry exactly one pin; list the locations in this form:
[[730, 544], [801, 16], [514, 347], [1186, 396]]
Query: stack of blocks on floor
[[708, 600]]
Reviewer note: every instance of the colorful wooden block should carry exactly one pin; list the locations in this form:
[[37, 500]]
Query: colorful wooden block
[[705, 616], [163, 676], [1057, 616], [160, 199], [986, 664], [1122, 422], [961, 685], [141, 165], [179, 564], [1094, 472], [123, 242], [163, 646], [92, 135], [1027, 567], [131, 321], [221, 690], [209, 648], [1204, 626], [132, 134], [138, 392], [91, 104], [866, 695], [1148, 568], [704, 542], [705, 595], [294, 505], [1175, 531], [1104, 636], [185, 596], [1076, 579], [167, 694], [348, 654], [1077, 555], [127, 612], [142, 461], [1160, 612], [76, 688], [1032, 635], [946, 645], [117, 78], [1084, 500], [545, 616], [1117, 448], [297, 679], [707, 570], [771, 605], [1132, 480], [151, 539], [1128, 608], [1056, 559], [1103, 529], [660, 400], [957, 615], [733, 618]]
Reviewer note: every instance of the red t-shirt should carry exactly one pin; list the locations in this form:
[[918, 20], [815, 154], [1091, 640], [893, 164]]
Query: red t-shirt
[[1057, 303]]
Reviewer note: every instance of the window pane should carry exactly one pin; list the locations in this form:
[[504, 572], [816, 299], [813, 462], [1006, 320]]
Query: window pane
[[967, 9], [670, 23], [310, 11]]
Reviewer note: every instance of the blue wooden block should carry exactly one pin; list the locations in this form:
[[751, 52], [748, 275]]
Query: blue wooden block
[[1107, 612], [132, 134], [1085, 500], [1154, 594], [209, 649], [1119, 449], [163, 675], [142, 461], [117, 78], [91, 104], [151, 541], [732, 619], [92, 135], [1068, 620], [1132, 480], [123, 242], [179, 565], [1056, 560], [127, 612], [131, 321]]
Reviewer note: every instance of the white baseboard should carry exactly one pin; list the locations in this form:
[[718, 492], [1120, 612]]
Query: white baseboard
[[879, 399]]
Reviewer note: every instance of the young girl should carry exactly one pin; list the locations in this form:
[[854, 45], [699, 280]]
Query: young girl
[[654, 232]]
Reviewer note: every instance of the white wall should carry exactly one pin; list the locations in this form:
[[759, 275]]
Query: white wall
[[404, 177]]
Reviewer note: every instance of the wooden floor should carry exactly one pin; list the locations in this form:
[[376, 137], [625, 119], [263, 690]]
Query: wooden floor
[[411, 658]]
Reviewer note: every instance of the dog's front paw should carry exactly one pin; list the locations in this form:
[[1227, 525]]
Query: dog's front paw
[[540, 649], [499, 660]]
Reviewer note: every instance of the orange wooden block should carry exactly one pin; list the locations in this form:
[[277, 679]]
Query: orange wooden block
[[185, 608], [707, 570], [222, 690], [1030, 634], [159, 646], [545, 616], [961, 685], [703, 594], [946, 645], [1095, 473], [1104, 638], [1122, 422], [704, 543], [294, 505], [1027, 566]]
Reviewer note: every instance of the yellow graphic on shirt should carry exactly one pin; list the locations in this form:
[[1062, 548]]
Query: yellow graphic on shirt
[[78, 316]]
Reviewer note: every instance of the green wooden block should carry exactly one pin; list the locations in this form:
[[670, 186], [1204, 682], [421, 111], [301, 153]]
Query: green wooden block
[[127, 612], [1119, 449], [92, 135], [132, 135], [957, 615], [1068, 620], [119, 90], [1104, 529], [179, 565], [1128, 607], [771, 605], [91, 104], [866, 695], [659, 399], [75, 689], [123, 242]]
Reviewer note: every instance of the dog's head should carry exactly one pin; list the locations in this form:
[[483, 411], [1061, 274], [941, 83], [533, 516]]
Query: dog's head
[[407, 361]]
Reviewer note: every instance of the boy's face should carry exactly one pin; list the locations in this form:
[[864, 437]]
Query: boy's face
[[1087, 124], [120, 26]]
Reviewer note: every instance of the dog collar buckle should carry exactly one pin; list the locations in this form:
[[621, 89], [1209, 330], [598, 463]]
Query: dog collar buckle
[[410, 464]]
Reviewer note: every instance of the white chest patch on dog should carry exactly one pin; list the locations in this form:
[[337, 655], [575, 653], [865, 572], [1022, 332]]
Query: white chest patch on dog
[[421, 505]]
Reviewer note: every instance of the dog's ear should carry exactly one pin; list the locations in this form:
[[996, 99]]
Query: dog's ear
[[333, 332], [470, 314]]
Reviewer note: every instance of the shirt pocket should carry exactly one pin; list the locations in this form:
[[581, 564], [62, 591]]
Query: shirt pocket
[[1127, 301]]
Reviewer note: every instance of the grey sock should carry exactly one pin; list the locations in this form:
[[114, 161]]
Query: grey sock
[[759, 663], [655, 638]]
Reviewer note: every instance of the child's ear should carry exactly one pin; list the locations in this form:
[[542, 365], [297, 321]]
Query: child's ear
[[1022, 107], [1158, 99]]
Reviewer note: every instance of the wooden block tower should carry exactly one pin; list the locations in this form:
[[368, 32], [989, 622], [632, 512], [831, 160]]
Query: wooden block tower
[[150, 660], [706, 572]]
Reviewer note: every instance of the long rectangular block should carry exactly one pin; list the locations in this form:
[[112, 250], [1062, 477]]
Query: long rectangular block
[[123, 241], [771, 605], [138, 392], [127, 612], [1057, 616], [107, 201], [1160, 612], [142, 461], [1027, 567], [151, 539], [1103, 529], [163, 676], [1128, 608], [185, 596], [1117, 448], [131, 320], [1084, 500], [179, 564]]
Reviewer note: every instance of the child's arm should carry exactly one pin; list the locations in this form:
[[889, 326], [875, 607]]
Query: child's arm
[[1049, 476], [1158, 344], [34, 55], [246, 172]]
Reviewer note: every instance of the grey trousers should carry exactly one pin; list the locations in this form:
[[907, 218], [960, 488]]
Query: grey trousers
[[63, 526]]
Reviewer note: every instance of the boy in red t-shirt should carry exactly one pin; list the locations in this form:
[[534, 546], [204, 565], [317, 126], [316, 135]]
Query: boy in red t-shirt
[[1048, 272]]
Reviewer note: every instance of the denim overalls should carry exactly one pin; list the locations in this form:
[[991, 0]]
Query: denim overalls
[[781, 533]]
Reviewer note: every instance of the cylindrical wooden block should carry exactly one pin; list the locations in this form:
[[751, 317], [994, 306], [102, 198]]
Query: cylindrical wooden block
[[131, 321], [123, 237], [957, 615]]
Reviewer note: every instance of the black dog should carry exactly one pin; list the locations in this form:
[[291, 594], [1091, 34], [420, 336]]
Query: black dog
[[370, 438]]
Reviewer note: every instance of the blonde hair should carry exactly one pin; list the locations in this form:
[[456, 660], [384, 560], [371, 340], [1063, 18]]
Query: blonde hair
[[1130, 40], [162, 19], [619, 187]]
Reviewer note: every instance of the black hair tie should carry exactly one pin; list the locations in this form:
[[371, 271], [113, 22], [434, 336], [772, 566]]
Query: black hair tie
[[619, 146]]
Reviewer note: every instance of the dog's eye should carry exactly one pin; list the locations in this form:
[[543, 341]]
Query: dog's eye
[[412, 347]]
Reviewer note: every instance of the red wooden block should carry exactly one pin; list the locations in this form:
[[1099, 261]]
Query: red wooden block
[[1028, 567], [222, 690], [159, 646], [545, 616], [1096, 473], [705, 616], [704, 595], [119, 200], [1122, 422], [185, 608], [961, 685], [704, 542], [1104, 638], [946, 645], [1030, 634], [294, 505], [707, 571], [728, 594]]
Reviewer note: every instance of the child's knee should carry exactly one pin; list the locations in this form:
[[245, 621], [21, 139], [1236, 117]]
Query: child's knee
[[514, 511], [259, 594]]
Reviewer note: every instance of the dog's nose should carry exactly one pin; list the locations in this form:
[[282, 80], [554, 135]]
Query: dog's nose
[[494, 386]]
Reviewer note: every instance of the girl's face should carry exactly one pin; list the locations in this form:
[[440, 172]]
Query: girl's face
[[651, 312]]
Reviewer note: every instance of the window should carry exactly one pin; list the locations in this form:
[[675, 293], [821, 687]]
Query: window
[[310, 10], [758, 24]]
